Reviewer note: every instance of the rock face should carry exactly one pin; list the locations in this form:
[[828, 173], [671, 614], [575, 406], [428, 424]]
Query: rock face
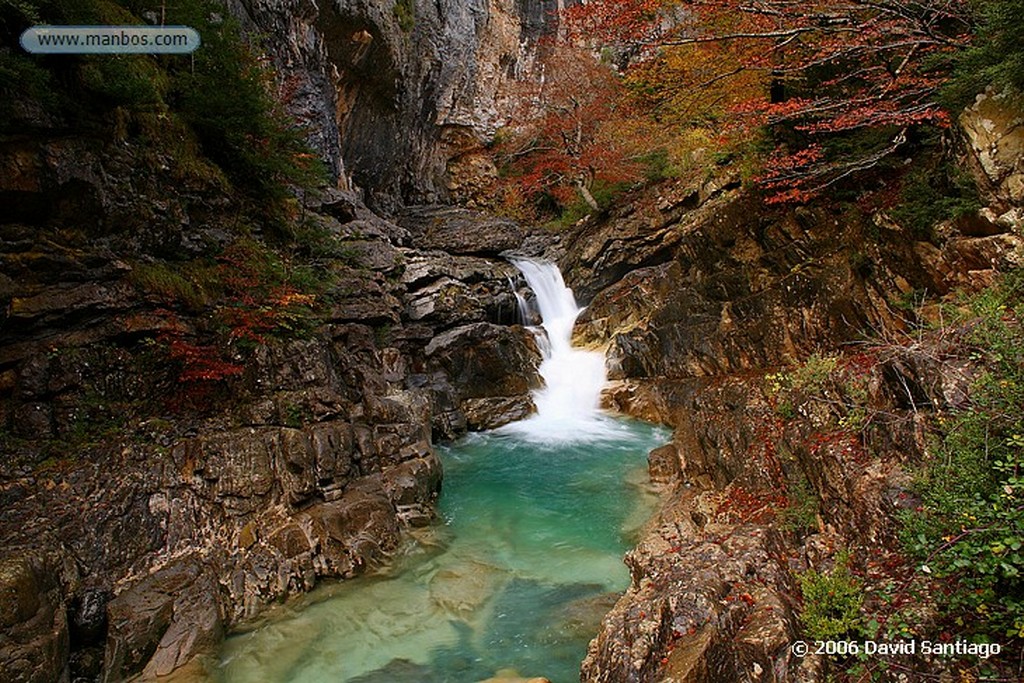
[[994, 131], [396, 92], [34, 640], [733, 323], [142, 518]]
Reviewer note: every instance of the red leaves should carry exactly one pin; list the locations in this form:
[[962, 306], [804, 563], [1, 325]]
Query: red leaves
[[201, 363], [835, 66], [579, 133], [609, 22], [742, 505]]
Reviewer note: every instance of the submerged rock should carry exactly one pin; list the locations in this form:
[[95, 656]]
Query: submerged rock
[[463, 589], [512, 676]]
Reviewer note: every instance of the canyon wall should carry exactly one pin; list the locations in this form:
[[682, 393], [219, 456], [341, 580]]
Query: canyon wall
[[157, 485], [399, 96], [780, 346]]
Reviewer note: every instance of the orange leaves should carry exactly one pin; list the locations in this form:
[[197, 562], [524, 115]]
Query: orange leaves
[[820, 69], [742, 505], [574, 132], [201, 363], [609, 22]]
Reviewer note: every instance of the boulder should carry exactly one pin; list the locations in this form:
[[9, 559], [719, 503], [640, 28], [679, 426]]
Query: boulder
[[460, 231], [698, 610], [995, 136], [162, 622], [491, 413], [484, 360]]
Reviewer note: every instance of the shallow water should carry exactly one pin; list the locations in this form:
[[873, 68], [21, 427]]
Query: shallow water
[[516, 574]]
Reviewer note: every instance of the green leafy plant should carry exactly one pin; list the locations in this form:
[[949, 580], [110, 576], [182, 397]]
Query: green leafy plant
[[995, 56], [970, 529], [801, 514], [832, 601], [405, 14]]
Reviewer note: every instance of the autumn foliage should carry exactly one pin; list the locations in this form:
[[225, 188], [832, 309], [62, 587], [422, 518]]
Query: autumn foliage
[[573, 132], [823, 70]]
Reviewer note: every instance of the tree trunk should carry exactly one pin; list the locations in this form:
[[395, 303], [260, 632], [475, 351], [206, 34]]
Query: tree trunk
[[587, 197]]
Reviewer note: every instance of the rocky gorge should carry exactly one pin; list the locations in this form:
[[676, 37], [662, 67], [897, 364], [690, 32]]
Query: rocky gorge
[[155, 493]]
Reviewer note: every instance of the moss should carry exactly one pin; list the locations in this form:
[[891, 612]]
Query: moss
[[405, 14], [166, 282]]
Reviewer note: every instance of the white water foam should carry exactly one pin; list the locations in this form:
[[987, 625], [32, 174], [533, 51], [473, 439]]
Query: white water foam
[[569, 404]]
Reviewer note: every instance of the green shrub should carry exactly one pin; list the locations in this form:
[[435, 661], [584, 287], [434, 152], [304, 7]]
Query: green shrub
[[405, 14], [222, 92], [932, 193], [801, 514], [226, 96], [970, 529], [995, 56], [832, 602], [168, 284]]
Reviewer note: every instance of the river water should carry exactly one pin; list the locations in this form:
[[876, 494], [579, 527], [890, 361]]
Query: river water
[[525, 559]]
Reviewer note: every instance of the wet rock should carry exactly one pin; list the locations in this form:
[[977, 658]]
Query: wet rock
[[689, 604], [663, 464], [355, 531], [34, 642], [463, 589], [163, 622], [491, 413], [583, 617], [415, 481], [512, 676], [398, 671], [741, 290], [239, 467], [445, 290], [485, 360], [88, 617]]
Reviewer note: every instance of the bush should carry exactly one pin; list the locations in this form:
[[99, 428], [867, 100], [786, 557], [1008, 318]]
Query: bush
[[932, 193], [832, 602], [167, 284], [222, 92], [969, 531], [405, 14], [226, 98], [995, 57]]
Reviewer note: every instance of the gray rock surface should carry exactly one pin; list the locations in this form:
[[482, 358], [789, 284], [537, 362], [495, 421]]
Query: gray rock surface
[[392, 93]]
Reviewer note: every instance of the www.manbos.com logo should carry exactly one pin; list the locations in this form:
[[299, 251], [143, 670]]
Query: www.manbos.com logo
[[110, 40]]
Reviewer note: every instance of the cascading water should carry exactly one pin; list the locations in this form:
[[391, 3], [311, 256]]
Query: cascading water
[[534, 517], [568, 406]]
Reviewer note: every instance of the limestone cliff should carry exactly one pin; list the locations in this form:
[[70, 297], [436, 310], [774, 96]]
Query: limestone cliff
[[401, 94]]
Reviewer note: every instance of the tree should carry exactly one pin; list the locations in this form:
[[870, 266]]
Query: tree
[[832, 68], [573, 131]]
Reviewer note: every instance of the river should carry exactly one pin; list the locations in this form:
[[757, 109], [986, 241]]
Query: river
[[524, 560]]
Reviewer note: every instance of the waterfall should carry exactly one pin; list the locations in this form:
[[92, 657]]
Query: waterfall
[[569, 404]]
